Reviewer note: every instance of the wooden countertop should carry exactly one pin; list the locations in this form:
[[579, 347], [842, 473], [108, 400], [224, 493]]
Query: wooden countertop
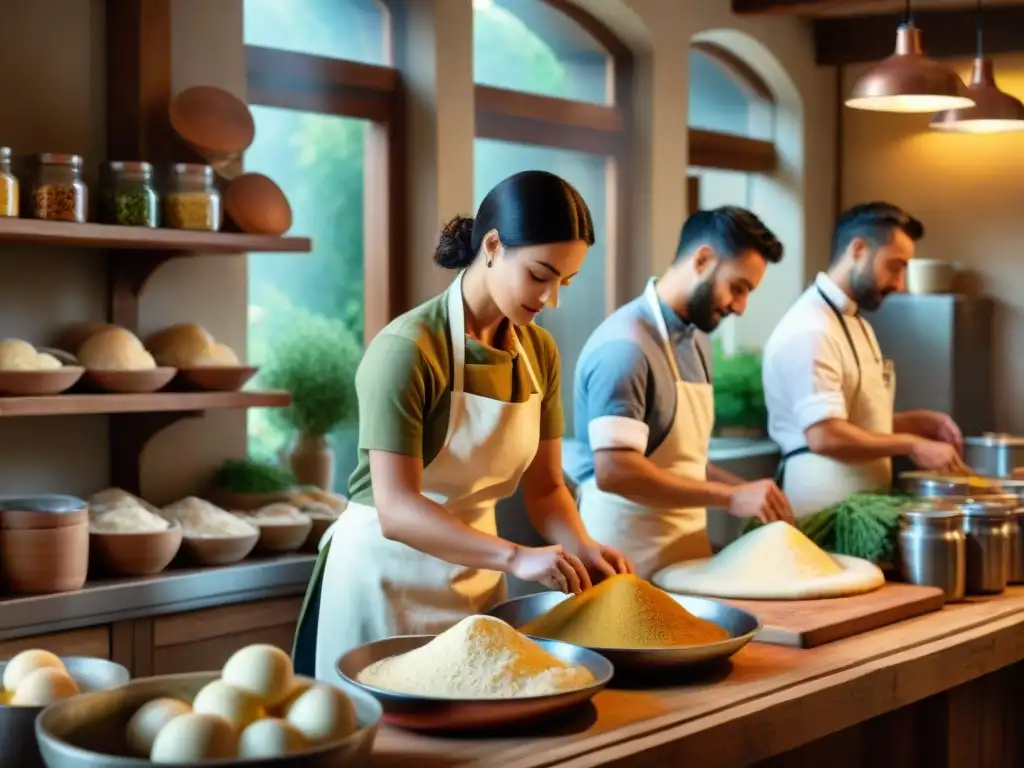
[[771, 700], [173, 591]]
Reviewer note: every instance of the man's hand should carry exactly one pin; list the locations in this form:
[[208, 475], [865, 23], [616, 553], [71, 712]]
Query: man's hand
[[932, 425], [937, 456], [603, 560], [761, 499]]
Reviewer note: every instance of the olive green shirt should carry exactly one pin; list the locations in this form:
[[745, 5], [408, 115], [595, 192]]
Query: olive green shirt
[[403, 385]]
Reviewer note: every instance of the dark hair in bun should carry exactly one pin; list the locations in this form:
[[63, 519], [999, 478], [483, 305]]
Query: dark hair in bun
[[455, 249], [528, 208]]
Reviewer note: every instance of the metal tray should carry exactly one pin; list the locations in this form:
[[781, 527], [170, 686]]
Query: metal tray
[[741, 626], [424, 713]]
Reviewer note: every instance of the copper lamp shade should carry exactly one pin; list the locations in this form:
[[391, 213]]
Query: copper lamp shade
[[994, 111], [908, 81]]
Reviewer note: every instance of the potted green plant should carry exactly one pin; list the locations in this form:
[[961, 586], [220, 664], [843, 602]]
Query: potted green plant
[[739, 393], [316, 362]]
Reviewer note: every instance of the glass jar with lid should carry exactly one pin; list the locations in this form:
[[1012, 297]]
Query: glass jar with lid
[[192, 200], [128, 197], [8, 185], [59, 194]]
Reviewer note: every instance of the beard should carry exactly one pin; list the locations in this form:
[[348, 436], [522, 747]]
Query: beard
[[864, 289], [700, 306]]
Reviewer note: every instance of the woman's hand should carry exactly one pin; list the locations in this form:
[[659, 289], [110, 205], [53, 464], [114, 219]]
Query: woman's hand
[[554, 567], [607, 561]]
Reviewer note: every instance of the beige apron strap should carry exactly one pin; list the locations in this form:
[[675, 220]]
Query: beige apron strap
[[659, 320], [457, 329]]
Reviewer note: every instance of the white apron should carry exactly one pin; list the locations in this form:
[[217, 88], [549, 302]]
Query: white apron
[[811, 481], [375, 588], [653, 538]]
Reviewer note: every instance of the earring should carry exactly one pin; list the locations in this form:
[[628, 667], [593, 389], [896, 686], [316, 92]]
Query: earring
[[490, 262]]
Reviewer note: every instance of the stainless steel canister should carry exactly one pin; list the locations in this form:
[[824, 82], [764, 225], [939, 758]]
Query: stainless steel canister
[[995, 454], [1016, 575], [987, 525], [932, 547]]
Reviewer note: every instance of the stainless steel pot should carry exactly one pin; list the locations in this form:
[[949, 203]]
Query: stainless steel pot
[[994, 454]]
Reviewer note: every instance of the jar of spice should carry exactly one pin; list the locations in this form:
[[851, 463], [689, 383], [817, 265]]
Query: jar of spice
[[192, 200], [59, 193], [8, 185], [128, 197]]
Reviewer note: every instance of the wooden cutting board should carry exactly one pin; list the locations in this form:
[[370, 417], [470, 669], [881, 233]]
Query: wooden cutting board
[[809, 623]]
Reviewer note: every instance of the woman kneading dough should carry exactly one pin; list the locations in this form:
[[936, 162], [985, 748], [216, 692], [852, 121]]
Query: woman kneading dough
[[459, 401]]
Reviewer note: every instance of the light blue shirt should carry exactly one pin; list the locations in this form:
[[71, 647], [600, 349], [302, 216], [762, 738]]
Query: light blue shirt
[[624, 391]]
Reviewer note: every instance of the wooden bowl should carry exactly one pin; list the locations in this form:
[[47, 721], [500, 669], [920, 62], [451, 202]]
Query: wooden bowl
[[222, 550], [248, 502], [134, 554], [39, 383], [217, 378], [131, 382], [215, 123], [45, 560], [258, 206], [280, 538], [316, 532]]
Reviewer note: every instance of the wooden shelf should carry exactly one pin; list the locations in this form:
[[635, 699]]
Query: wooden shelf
[[159, 402], [106, 236]]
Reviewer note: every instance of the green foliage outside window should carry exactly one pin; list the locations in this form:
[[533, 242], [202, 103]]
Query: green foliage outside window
[[739, 393]]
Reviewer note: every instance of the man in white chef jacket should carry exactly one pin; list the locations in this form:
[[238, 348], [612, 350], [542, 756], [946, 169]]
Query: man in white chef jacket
[[829, 390], [643, 402]]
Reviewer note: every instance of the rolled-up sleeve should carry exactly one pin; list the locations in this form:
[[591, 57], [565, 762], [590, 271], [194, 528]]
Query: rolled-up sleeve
[[616, 384], [812, 365]]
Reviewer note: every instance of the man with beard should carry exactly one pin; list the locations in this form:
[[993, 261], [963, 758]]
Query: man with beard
[[828, 389], [644, 407]]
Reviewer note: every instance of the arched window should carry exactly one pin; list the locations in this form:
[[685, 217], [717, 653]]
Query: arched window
[[552, 93], [731, 128], [326, 101]]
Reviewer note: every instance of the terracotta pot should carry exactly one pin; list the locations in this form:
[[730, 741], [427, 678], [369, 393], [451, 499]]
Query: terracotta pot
[[312, 462]]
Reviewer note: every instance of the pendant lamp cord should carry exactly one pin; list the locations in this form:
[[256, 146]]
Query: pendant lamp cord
[[979, 21], [908, 15]]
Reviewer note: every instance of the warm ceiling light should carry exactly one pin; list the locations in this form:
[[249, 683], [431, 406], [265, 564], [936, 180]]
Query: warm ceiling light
[[908, 81], [994, 111]]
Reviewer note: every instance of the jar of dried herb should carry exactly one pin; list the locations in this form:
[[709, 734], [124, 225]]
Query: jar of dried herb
[[192, 200], [8, 185], [59, 194], [128, 197]]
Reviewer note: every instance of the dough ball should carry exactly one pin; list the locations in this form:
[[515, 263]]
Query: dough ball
[[115, 349], [323, 713], [193, 738], [47, 362], [182, 346], [17, 355], [270, 737], [263, 670], [43, 687], [299, 686], [25, 663], [220, 355], [237, 706], [150, 719]]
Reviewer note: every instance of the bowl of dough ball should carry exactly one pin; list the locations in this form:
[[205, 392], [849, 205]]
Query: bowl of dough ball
[[211, 535], [323, 509], [116, 361], [33, 680], [255, 711], [26, 372], [203, 363], [283, 528], [129, 536]]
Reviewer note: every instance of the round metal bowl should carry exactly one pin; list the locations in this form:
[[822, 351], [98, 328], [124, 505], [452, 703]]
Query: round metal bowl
[[17, 724], [89, 731], [741, 626], [927, 484], [424, 713]]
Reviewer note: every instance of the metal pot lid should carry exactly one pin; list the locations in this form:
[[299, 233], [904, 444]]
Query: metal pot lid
[[55, 503], [991, 506], [927, 509], [995, 439]]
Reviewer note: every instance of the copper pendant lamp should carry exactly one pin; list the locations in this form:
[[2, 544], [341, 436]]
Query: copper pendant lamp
[[994, 111], [908, 81]]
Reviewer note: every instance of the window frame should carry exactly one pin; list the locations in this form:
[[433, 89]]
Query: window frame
[[726, 151], [375, 93], [599, 129]]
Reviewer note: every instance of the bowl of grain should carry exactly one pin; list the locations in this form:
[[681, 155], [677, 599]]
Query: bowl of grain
[[323, 509], [131, 541], [211, 535], [481, 673], [283, 528]]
